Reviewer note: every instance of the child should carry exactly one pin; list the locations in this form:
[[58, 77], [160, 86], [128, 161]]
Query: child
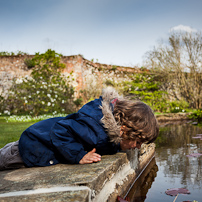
[[103, 126]]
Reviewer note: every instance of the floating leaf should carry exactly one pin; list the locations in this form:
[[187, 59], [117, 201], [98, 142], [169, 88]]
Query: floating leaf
[[176, 191], [198, 134], [197, 137], [194, 155], [119, 199]]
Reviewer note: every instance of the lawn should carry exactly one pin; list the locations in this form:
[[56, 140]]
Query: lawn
[[10, 132]]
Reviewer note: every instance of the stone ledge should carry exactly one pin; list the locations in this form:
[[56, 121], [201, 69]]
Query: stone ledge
[[170, 118], [96, 182]]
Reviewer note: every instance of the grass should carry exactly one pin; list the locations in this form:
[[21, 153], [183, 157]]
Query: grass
[[10, 132], [11, 127]]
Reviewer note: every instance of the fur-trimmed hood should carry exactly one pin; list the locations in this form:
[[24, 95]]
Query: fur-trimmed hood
[[108, 120]]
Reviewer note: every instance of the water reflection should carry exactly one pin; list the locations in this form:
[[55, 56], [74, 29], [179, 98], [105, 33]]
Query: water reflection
[[173, 144], [171, 168], [139, 190]]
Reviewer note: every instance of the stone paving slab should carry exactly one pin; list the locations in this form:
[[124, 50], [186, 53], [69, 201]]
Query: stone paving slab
[[61, 174], [76, 196], [66, 182], [91, 176]]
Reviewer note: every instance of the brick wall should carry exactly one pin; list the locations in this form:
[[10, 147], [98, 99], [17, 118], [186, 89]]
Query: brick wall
[[84, 71]]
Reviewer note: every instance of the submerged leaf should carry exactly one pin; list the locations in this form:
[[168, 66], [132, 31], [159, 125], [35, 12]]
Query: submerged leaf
[[176, 191], [194, 155]]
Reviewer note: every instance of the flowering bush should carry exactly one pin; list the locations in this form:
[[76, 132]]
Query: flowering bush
[[28, 118], [45, 91]]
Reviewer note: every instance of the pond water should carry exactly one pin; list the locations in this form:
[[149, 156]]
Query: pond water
[[171, 168]]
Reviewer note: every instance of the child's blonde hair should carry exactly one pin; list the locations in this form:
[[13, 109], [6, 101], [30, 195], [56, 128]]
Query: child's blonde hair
[[138, 120]]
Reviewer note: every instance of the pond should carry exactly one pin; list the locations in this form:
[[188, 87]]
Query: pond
[[171, 168]]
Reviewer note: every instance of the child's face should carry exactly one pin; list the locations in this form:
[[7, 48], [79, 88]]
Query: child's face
[[130, 144]]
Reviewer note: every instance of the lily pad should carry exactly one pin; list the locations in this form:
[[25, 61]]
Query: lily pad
[[198, 134], [194, 155], [197, 137], [119, 199], [176, 191]]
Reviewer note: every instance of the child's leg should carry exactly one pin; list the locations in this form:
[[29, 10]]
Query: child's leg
[[10, 157]]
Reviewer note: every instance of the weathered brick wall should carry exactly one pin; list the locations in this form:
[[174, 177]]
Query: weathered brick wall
[[84, 71]]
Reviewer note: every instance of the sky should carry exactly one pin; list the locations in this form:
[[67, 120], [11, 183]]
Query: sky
[[116, 32]]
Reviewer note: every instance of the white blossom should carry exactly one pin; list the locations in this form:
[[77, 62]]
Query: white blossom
[[6, 112], [49, 95], [19, 80], [49, 104]]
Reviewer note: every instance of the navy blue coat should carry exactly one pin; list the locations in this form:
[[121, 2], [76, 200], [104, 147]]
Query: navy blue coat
[[66, 139]]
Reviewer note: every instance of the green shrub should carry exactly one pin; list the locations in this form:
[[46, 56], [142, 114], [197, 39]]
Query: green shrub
[[178, 106], [146, 87], [29, 63], [196, 115]]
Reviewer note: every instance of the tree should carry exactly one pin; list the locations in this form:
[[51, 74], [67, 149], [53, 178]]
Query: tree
[[179, 64], [45, 91]]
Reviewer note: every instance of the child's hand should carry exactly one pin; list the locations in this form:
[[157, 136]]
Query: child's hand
[[90, 157]]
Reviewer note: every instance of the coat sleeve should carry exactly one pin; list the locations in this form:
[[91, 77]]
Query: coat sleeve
[[72, 139]]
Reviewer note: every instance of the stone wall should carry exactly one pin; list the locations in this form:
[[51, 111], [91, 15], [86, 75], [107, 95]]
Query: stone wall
[[11, 67], [85, 72], [96, 182]]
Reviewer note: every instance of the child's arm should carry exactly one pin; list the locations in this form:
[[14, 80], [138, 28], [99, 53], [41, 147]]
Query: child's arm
[[90, 157], [71, 140]]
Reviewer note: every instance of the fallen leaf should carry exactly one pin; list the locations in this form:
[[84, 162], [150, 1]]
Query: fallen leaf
[[175, 191], [194, 155]]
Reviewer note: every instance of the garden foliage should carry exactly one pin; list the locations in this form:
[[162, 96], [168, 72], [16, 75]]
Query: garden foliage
[[196, 115], [147, 87], [45, 91]]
